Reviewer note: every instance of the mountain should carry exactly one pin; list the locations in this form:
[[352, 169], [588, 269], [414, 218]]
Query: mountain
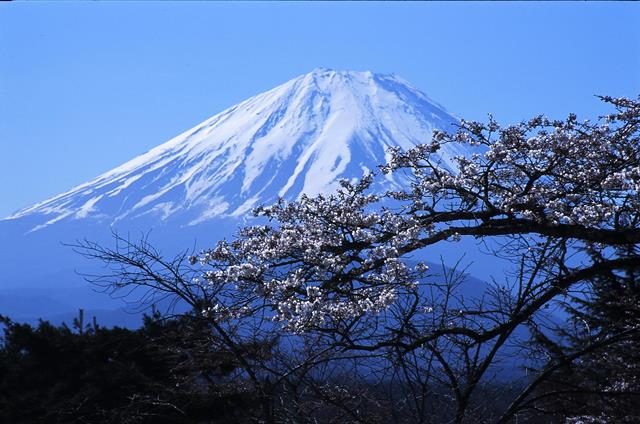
[[300, 137]]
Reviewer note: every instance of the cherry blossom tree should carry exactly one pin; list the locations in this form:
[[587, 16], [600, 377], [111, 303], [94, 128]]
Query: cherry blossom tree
[[559, 200]]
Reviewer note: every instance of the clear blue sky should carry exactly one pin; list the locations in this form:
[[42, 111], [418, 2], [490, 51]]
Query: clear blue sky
[[87, 86]]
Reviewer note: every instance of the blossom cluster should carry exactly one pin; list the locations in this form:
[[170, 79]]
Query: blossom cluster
[[329, 258], [341, 256], [552, 172]]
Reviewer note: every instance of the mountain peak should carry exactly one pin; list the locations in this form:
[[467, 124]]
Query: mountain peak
[[300, 137], [333, 78]]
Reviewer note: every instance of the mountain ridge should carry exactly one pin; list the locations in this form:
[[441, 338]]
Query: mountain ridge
[[299, 137], [302, 136]]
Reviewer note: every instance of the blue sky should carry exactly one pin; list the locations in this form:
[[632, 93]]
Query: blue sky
[[87, 86]]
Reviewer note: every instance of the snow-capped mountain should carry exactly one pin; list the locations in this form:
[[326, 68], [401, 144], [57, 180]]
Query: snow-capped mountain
[[300, 137]]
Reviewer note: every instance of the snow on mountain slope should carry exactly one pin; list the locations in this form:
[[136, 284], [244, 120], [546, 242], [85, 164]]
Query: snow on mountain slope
[[300, 137]]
